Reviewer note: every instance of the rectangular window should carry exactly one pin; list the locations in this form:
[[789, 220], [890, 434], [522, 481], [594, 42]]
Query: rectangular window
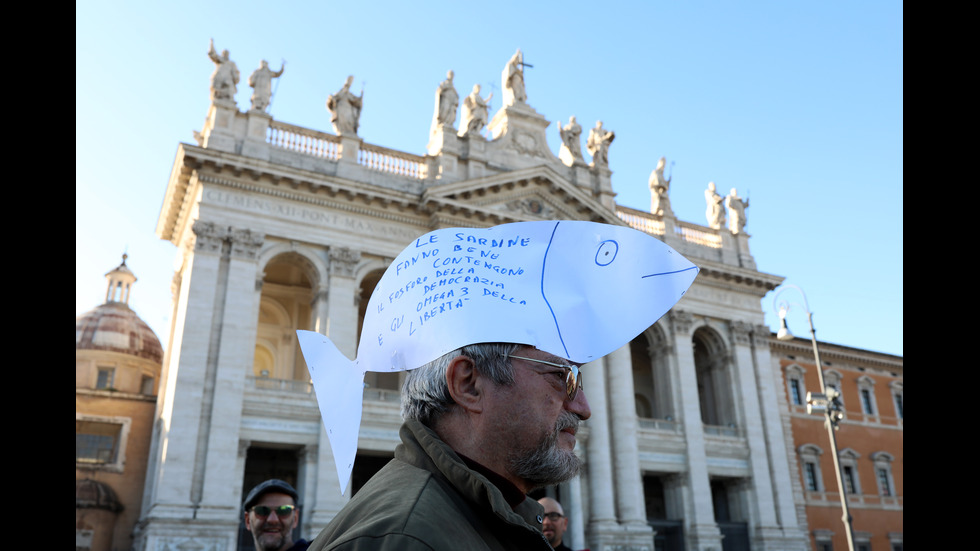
[[810, 473], [866, 401], [825, 546], [146, 386], [96, 442], [886, 489], [899, 407], [795, 394], [849, 484], [105, 379]]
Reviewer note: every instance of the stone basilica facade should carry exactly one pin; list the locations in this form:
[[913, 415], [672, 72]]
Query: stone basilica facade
[[282, 227]]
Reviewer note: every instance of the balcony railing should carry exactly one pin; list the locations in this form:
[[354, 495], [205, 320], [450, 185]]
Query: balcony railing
[[720, 430], [303, 140], [387, 160]]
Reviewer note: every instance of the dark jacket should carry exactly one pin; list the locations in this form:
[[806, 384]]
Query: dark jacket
[[427, 498]]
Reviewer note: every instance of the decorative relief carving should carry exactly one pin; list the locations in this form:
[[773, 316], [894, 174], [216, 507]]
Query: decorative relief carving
[[208, 237], [245, 243], [532, 206], [343, 261], [526, 144], [681, 321], [741, 332]]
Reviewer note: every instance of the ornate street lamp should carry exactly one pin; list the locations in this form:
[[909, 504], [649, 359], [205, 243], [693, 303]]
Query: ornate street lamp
[[826, 402]]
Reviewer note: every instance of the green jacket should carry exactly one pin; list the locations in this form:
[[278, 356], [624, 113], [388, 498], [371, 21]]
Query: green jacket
[[427, 498]]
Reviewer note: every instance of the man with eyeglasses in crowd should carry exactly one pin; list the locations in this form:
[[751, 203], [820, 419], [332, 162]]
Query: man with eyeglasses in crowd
[[484, 425], [486, 422], [271, 515], [555, 523]]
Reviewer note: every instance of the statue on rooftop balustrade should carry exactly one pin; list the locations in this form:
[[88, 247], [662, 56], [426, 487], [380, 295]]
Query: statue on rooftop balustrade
[[447, 101], [571, 145], [261, 83], [345, 109], [736, 211], [475, 113], [513, 80], [714, 213], [659, 186], [224, 80], [598, 144]]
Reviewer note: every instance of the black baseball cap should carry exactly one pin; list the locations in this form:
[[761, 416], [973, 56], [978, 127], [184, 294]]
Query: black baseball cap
[[271, 485]]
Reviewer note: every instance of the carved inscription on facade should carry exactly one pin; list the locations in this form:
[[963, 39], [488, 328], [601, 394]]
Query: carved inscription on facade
[[305, 215]]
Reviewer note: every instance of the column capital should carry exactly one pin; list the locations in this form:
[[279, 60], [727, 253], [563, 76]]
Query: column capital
[[245, 243], [741, 332], [681, 321], [343, 261]]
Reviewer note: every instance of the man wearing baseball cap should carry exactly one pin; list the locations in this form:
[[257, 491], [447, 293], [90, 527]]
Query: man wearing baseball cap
[[271, 515]]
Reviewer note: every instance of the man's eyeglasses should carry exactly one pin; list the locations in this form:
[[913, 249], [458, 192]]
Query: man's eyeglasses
[[281, 511], [573, 378], [553, 517]]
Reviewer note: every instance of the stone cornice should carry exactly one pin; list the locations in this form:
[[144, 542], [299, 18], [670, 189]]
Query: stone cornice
[[744, 279], [840, 355]]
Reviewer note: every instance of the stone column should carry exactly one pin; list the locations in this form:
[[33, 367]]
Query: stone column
[[602, 513], [626, 454], [222, 403], [700, 529], [773, 437], [341, 327], [176, 482], [320, 308], [575, 514]]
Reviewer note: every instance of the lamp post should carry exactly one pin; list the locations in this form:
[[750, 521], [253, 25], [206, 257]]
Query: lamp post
[[827, 401]]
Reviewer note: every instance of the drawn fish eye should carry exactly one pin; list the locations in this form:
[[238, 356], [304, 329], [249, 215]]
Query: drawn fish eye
[[607, 252]]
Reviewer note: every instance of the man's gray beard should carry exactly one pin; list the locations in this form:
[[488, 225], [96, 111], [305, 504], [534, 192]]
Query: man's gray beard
[[548, 463]]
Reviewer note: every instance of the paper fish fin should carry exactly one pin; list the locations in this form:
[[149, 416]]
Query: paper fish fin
[[339, 386]]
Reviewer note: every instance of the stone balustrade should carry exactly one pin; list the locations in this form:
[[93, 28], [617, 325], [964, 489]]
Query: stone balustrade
[[303, 140], [391, 161]]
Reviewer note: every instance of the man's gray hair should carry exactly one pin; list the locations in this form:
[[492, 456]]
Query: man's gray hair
[[426, 397]]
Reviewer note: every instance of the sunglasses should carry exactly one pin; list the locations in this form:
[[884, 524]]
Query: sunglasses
[[281, 511], [573, 378], [553, 517]]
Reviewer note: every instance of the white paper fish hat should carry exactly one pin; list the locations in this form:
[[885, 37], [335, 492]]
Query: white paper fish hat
[[578, 290]]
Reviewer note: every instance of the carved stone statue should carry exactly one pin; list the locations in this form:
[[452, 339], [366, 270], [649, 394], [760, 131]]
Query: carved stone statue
[[345, 109], [261, 83], [659, 186], [447, 100], [571, 146], [736, 212], [224, 80], [475, 113], [714, 213], [598, 144], [513, 80]]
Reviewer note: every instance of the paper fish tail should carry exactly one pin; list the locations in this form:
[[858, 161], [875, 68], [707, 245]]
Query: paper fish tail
[[339, 386]]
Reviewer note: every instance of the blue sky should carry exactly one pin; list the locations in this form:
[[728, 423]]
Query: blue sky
[[798, 105]]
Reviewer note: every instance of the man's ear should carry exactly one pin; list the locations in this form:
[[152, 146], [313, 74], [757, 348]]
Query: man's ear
[[247, 522], [465, 383]]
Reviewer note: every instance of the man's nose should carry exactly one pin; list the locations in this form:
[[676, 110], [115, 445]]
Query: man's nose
[[580, 405]]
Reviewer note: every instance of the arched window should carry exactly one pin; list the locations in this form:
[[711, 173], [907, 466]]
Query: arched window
[[714, 385], [284, 307], [651, 380]]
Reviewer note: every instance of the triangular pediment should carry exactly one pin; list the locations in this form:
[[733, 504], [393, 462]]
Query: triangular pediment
[[535, 193]]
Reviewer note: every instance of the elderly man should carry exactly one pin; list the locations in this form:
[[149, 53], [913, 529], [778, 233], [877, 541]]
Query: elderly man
[[271, 515], [555, 523], [493, 395], [484, 425]]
